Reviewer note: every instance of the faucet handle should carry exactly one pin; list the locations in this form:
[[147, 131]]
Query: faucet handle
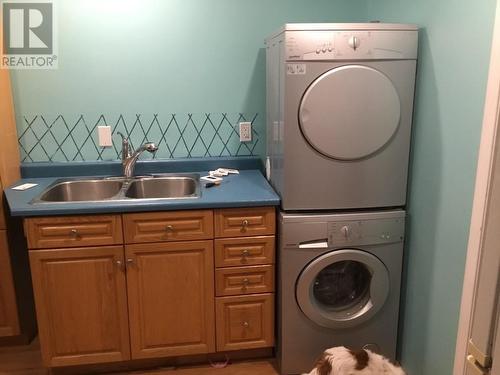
[[125, 146]]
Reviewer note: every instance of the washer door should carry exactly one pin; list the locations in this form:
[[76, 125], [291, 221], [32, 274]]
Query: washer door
[[350, 112], [342, 288]]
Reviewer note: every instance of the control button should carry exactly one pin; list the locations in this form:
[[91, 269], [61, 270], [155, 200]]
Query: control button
[[354, 42], [318, 51], [324, 50], [346, 231], [330, 49]]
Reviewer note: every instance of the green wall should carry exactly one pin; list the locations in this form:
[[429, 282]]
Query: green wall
[[454, 51], [157, 57]]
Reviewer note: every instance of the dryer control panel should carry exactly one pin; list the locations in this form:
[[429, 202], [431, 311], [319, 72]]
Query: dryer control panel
[[365, 232], [350, 45]]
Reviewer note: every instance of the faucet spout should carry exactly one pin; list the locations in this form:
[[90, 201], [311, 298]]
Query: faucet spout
[[129, 159]]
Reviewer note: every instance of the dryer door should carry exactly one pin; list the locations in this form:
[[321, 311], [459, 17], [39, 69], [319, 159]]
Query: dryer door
[[350, 112], [342, 288]]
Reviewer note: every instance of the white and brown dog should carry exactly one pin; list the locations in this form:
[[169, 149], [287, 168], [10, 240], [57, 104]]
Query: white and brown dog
[[343, 361]]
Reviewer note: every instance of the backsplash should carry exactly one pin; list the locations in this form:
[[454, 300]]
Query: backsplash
[[60, 138]]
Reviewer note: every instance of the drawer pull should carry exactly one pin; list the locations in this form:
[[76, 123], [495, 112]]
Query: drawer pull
[[244, 224], [245, 253], [245, 324], [169, 228], [74, 233], [245, 282]]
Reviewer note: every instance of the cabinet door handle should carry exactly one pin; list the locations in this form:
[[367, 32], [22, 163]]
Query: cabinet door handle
[[119, 264], [130, 261], [245, 324]]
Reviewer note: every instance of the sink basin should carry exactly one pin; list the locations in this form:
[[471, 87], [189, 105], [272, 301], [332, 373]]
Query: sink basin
[[82, 190], [163, 186], [173, 187]]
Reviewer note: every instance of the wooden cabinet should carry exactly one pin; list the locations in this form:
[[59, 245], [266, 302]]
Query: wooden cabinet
[[171, 298], [17, 318], [101, 301], [81, 305], [9, 322], [244, 257]]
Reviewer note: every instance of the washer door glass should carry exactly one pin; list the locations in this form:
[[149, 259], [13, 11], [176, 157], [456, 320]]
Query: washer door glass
[[350, 112], [342, 285], [342, 288]]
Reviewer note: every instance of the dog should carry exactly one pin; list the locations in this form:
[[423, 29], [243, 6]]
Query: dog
[[343, 361]]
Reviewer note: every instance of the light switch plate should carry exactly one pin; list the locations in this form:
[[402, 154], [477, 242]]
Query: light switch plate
[[245, 131], [104, 134]]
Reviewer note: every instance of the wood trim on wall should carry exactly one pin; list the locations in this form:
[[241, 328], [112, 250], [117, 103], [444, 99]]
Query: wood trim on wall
[[485, 170], [9, 150]]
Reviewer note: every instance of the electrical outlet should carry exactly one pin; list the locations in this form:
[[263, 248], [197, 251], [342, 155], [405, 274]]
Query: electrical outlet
[[245, 131], [104, 134]]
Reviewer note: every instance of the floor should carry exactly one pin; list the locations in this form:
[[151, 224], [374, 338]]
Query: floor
[[26, 360]]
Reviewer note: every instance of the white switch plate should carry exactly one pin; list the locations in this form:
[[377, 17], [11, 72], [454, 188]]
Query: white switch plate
[[245, 131], [104, 134]]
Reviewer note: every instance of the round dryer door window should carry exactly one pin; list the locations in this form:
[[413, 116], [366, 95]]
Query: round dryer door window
[[342, 288], [350, 112]]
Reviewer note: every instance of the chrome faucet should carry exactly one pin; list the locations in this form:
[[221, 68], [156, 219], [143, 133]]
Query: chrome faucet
[[130, 158]]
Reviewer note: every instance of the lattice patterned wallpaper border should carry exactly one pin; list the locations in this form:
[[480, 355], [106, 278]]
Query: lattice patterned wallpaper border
[[74, 138]]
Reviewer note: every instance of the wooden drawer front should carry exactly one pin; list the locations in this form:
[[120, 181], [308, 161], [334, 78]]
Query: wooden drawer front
[[239, 222], [73, 231], [168, 226], [231, 252], [245, 322], [244, 280]]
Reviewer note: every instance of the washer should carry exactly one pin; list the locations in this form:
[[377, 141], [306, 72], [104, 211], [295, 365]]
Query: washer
[[339, 284], [339, 112]]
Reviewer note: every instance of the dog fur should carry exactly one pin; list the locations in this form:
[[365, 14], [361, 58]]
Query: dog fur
[[343, 361]]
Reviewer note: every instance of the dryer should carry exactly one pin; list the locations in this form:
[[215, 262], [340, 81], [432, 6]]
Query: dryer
[[339, 113], [339, 284]]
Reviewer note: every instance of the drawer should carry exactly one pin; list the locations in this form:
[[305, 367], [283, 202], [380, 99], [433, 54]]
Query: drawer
[[244, 280], [73, 231], [240, 222], [168, 226], [245, 322], [243, 251]]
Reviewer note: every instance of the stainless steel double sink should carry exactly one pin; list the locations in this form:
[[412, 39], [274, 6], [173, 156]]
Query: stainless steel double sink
[[161, 186]]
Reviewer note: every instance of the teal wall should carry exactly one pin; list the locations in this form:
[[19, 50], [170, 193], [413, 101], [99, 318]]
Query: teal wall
[[206, 57], [160, 57], [452, 73]]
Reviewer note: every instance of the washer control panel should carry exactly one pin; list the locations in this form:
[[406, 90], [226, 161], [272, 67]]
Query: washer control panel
[[365, 232], [350, 44]]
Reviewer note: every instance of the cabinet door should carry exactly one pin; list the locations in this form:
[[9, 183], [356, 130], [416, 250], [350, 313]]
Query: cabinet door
[[245, 322], [81, 304], [9, 323], [171, 298]]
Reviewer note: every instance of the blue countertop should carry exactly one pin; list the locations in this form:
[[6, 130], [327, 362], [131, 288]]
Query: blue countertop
[[247, 189]]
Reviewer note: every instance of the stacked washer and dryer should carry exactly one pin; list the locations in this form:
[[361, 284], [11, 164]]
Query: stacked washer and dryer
[[339, 113]]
